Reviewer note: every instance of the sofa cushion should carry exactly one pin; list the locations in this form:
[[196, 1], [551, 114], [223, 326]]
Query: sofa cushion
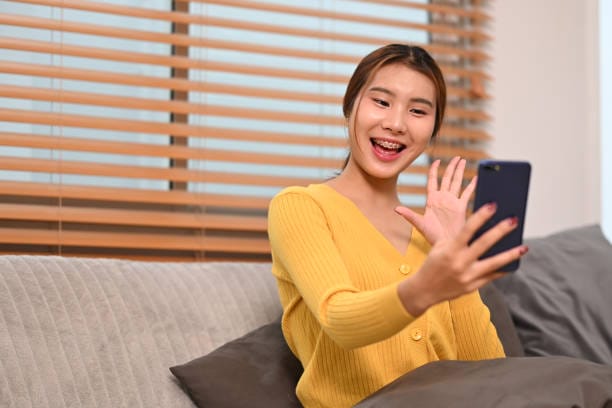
[[560, 297], [256, 370], [103, 332], [521, 382], [500, 316]]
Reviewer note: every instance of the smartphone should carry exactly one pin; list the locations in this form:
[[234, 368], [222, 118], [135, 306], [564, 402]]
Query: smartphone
[[505, 183]]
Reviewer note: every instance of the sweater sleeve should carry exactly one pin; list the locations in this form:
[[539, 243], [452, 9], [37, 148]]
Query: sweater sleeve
[[303, 244], [476, 335]]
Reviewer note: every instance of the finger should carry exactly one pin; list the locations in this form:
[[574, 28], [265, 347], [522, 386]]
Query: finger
[[491, 236], [455, 187], [496, 262], [411, 216], [469, 189], [475, 221], [487, 278], [448, 174], [432, 178]]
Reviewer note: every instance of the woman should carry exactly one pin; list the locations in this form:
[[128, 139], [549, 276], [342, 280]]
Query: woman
[[370, 289]]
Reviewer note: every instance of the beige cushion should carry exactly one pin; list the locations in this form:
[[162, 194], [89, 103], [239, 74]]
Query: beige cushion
[[103, 333]]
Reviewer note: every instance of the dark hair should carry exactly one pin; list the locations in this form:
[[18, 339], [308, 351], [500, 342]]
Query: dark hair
[[412, 57]]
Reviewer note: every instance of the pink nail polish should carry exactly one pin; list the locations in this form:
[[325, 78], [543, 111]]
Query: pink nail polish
[[491, 206], [524, 250], [513, 221]]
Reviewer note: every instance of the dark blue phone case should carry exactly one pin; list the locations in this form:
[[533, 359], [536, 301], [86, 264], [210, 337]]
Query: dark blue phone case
[[505, 183]]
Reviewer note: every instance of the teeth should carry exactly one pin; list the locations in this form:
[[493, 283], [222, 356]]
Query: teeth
[[387, 145]]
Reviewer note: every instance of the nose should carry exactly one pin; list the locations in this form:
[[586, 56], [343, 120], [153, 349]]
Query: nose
[[395, 121]]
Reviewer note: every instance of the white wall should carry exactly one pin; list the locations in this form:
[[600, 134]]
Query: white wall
[[546, 106], [605, 69]]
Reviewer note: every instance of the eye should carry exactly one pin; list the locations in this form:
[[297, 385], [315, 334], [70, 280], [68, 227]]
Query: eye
[[418, 112], [381, 102]]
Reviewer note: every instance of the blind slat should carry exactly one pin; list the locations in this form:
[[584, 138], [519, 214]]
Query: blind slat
[[455, 132], [54, 95], [187, 63], [475, 15], [162, 60], [171, 219], [133, 240], [165, 151], [125, 125], [154, 256], [130, 195], [144, 172]]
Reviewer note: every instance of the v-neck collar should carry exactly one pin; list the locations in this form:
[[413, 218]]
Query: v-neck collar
[[366, 220]]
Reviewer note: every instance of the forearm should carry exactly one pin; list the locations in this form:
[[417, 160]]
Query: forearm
[[356, 319]]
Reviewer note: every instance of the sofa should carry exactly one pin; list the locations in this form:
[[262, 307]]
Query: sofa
[[85, 332]]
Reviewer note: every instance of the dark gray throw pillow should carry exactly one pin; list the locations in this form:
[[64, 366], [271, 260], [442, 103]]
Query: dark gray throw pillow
[[500, 316], [256, 370], [560, 299]]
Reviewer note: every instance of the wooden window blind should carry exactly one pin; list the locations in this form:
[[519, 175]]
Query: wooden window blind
[[161, 129]]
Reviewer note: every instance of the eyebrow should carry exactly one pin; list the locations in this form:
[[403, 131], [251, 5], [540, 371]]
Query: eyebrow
[[388, 92]]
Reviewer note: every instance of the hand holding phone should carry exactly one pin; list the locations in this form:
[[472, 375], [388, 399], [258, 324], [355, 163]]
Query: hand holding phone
[[505, 183]]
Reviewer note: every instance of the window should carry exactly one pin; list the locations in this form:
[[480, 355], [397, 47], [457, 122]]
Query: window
[[161, 129]]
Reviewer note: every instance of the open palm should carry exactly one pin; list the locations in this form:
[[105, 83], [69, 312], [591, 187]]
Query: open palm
[[446, 206]]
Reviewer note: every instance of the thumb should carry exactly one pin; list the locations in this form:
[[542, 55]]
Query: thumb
[[412, 217]]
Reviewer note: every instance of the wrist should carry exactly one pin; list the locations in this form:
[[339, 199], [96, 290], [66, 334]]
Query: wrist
[[413, 296]]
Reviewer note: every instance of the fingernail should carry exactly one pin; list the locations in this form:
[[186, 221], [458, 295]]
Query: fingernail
[[491, 206], [513, 221], [524, 250]]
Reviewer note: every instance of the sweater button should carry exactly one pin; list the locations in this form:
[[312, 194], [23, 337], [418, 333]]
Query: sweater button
[[417, 334], [405, 269]]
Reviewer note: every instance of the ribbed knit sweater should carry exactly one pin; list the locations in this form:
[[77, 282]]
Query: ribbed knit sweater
[[337, 278]]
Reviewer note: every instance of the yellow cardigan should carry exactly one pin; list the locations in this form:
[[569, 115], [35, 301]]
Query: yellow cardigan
[[337, 278]]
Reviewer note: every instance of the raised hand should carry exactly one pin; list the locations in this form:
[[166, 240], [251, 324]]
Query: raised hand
[[452, 267], [446, 205]]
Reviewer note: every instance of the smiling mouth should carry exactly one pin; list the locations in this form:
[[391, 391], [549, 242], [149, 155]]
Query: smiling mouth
[[387, 146]]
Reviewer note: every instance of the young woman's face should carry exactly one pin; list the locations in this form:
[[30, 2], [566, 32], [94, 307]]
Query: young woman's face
[[392, 121]]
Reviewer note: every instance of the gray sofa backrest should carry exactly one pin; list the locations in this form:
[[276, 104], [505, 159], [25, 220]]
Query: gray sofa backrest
[[102, 333]]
